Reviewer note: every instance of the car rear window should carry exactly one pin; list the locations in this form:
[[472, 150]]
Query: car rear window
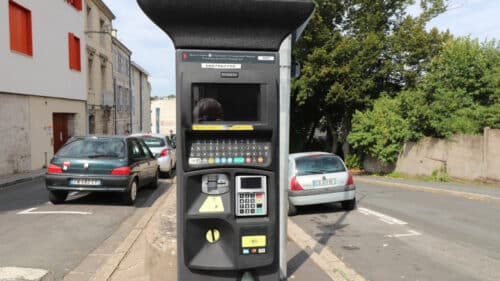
[[310, 165], [93, 148], [154, 142]]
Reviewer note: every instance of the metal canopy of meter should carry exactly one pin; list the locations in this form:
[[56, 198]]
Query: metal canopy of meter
[[228, 24]]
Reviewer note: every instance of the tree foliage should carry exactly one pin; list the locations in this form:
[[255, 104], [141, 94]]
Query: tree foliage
[[353, 51], [459, 93]]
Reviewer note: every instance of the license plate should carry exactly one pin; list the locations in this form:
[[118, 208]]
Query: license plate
[[91, 182], [318, 183]]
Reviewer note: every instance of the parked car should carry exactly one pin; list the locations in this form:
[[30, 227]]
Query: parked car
[[163, 149], [101, 164], [319, 178]]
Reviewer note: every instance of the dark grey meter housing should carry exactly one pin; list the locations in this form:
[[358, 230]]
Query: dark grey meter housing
[[227, 130], [228, 24]]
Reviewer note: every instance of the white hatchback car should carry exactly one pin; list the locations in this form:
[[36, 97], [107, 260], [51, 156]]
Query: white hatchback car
[[164, 151], [319, 178]]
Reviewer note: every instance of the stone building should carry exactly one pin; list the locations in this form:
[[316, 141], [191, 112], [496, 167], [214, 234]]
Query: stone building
[[42, 80], [101, 99], [122, 86], [141, 100]]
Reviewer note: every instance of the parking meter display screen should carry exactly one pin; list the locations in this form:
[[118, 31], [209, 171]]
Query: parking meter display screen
[[226, 103]]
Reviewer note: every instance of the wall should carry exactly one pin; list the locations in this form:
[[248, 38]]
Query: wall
[[464, 156], [26, 126], [41, 110], [47, 72], [15, 142], [167, 115]]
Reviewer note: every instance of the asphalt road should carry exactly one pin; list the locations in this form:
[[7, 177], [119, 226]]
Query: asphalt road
[[403, 234], [36, 234]]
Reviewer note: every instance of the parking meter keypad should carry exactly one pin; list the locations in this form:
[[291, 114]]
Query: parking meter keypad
[[235, 151]]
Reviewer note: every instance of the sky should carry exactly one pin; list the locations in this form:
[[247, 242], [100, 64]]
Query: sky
[[153, 49]]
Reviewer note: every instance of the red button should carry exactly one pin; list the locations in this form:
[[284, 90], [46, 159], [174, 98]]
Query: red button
[[254, 251], [259, 195], [249, 160]]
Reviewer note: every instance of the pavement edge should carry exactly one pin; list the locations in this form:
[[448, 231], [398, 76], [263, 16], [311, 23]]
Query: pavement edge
[[112, 263]]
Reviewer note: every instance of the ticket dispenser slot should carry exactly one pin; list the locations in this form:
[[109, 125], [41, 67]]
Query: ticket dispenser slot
[[215, 184]]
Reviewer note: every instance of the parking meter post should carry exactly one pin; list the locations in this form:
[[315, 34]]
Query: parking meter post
[[232, 133], [285, 71]]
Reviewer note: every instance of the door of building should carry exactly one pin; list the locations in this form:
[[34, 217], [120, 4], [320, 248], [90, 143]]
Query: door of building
[[60, 129]]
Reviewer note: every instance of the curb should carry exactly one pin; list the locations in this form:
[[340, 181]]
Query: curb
[[105, 271], [466, 195], [161, 245], [21, 180]]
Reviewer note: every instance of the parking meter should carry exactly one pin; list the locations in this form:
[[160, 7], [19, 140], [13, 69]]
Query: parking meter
[[227, 68]]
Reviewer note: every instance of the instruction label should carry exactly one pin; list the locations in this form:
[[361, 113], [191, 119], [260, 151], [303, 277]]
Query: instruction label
[[213, 204]]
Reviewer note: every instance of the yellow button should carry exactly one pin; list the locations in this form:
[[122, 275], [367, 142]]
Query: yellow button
[[211, 160], [260, 160], [254, 241]]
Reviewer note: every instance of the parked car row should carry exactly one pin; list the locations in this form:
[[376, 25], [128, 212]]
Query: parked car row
[[120, 164], [123, 164]]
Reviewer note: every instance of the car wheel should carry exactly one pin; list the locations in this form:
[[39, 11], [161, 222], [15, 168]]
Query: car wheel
[[171, 172], [292, 209], [349, 205], [130, 195], [57, 197], [154, 183]]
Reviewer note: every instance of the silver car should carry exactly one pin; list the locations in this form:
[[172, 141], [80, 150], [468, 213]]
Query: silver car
[[163, 149], [319, 178]]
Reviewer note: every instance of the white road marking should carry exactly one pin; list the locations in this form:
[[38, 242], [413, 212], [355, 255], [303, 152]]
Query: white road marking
[[22, 273], [411, 232], [31, 211], [382, 217]]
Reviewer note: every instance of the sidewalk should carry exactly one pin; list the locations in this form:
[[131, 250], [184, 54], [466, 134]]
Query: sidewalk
[[153, 254], [9, 180], [462, 189]]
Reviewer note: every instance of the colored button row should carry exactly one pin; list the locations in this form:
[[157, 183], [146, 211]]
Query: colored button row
[[234, 160], [253, 251]]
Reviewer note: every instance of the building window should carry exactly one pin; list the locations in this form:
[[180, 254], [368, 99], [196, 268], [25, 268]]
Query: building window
[[75, 3], [20, 29], [74, 52]]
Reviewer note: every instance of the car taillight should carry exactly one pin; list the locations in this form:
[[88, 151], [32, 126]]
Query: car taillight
[[54, 169], [165, 152], [350, 180], [295, 185], [122, 171]]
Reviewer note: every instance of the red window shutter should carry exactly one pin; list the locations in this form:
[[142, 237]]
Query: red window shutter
[[74, 52], [78, 5], [20, 29]]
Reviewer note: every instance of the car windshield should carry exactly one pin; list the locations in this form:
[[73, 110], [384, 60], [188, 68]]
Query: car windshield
[[310, 165], [93, 148], [154, 142]]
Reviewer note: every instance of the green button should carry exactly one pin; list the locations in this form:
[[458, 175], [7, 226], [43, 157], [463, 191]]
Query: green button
[[239, 160]]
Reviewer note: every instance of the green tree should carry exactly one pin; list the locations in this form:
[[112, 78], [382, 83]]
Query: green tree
[[382, 131], [459, 93], [351, 52]]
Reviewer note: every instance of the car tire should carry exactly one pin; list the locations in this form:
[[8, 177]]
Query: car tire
[[57, 196], [130, 195], [171, 172], [292, 209], [349, 205], [154, 183]]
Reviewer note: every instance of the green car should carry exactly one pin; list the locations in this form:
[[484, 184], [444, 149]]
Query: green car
[[101, 164]]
